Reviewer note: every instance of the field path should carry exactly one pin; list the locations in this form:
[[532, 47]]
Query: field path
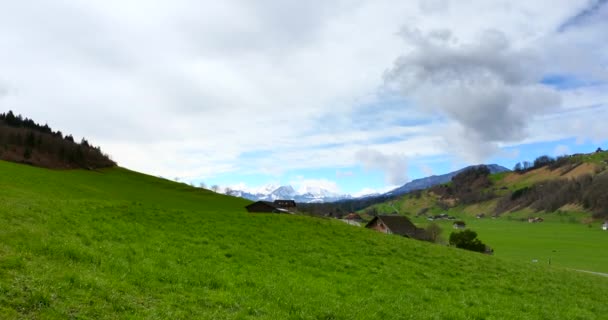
[[592, 272]]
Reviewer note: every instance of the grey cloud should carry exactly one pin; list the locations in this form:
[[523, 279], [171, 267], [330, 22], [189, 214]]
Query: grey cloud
[[487, 87], [439, 58], [592, 9], [394, 166]]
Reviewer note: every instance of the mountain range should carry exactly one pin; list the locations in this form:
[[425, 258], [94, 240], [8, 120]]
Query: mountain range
[[310, 195], [320, 195]]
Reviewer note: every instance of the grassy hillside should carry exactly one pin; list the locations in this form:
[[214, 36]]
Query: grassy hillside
[[116, 244]]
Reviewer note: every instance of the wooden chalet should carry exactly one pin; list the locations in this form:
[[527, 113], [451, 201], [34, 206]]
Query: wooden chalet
[[396, 224], [265, 207], [285, 204]]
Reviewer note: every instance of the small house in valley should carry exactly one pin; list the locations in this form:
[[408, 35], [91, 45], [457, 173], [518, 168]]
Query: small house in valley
[[535, 220], [605, 226], [353, 219], [265, 207], [459, 225], [396, 224]]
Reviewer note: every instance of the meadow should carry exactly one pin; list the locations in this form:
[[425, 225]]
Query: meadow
[[115, 244], [561, 240]]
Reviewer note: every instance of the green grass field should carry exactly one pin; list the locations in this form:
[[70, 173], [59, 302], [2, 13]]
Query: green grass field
[[120, 245], [561, 240]]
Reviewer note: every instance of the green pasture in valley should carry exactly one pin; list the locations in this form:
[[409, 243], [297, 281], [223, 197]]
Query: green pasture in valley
[[115, 244], [561, 240]]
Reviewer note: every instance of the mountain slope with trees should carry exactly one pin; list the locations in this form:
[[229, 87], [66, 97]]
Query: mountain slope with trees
[[546, 184], [25, 141]]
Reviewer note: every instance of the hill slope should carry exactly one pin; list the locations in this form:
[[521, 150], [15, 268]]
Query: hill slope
[[425, 183], [118, 244]]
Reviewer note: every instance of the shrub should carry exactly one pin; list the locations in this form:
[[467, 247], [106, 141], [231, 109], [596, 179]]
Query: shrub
[[467, 240]]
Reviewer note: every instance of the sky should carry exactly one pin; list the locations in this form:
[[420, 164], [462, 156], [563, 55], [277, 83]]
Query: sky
[[353, 96]]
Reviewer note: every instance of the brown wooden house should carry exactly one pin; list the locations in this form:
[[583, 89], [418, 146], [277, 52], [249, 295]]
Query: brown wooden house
[[285, 204], [265, 207], [396, 224]]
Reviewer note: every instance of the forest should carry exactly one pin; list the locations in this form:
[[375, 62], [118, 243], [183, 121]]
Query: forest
[[25, 141]]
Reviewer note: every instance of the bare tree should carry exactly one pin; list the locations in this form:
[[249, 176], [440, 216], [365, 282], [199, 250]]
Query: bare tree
[[215, 188], [202, 185], [434, 232]]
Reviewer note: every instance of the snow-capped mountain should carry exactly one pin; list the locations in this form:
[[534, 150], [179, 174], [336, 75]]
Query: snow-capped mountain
[[307, 195], [283, 192]]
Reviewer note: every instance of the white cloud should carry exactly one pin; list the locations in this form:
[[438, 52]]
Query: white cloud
[[371, 191], [394, 165]]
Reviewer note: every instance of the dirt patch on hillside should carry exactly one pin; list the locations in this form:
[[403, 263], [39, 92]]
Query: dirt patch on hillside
[[585, 168], [572, 208], [532, 176]]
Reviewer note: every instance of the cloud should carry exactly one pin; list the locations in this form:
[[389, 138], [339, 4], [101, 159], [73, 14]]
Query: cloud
[[394, 166], [561, 150], [189, 89], [487, 87], [581, 17], [370, 191]]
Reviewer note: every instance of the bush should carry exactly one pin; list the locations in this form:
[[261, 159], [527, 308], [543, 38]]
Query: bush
[[467, 240]]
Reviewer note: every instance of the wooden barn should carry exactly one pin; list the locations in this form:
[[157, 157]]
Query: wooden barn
[[396, 224], [265, 207]]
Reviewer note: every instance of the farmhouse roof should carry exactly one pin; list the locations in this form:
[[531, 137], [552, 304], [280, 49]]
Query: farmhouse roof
[[399, 225], [285, 203], [353, 216], [265, 206]]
